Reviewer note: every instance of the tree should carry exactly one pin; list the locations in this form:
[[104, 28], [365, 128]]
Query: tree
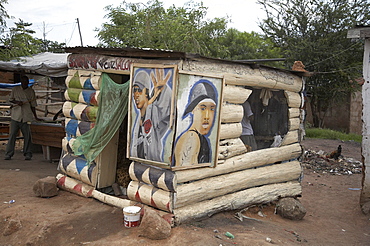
[[19, 42], [314, 32], [3, 15], [153, 26], [244, 45]]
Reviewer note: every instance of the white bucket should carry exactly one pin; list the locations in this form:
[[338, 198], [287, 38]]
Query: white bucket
[[131, 216]]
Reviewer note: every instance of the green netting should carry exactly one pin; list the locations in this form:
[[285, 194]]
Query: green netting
[[112, 110]]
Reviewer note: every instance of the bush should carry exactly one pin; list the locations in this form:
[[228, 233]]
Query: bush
[[331, 134]]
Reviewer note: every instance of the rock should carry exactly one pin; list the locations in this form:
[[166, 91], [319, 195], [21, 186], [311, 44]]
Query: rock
[[153, 226], [290, 208], [366, 208], [12, 226], [46, 187]]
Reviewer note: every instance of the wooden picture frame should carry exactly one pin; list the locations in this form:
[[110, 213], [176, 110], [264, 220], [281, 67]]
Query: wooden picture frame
[[198, 107], [151, 112]]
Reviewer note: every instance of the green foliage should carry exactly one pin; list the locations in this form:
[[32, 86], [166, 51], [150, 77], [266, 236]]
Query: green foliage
[[314, 32], [20, 42], [247, 46], [180, 29], [152, 26], [331, 134]]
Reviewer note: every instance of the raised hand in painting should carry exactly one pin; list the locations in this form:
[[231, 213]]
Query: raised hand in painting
[[159, 80]]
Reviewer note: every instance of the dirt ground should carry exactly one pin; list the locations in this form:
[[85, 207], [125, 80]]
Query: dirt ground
[[333, 214]]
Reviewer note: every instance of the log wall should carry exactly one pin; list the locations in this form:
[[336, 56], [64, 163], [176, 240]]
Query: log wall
[[80, 110], [240, 178]]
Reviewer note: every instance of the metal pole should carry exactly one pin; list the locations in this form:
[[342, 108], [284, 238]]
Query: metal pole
[[79, 30]]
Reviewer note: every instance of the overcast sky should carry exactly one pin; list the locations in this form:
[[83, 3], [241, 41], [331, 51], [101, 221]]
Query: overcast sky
[[57, 19]]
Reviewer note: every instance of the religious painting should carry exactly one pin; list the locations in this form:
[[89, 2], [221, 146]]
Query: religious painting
[[198, 104], [151, 109]]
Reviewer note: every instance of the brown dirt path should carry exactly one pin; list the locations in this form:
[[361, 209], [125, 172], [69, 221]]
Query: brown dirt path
[[333, 213]]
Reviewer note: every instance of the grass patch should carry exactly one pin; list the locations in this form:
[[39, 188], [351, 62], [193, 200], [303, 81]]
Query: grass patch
[[331, 134]]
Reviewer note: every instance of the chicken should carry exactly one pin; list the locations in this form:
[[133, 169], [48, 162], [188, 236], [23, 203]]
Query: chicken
[[336, 153]]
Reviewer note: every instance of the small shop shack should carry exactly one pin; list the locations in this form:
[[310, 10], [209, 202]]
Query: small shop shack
[[165, 126], [47, 72]]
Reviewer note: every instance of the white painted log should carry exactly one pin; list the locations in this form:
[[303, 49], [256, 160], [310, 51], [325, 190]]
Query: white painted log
[[231, 113], [232, 130], [248, 160], [112, 200], [294, 99], [149, 195], [74, 185], [82, 189], [294, 112], [266, 79], [209, 188], [237, 200], [236, 94], [294, 124], [290, 138], [231, 147]]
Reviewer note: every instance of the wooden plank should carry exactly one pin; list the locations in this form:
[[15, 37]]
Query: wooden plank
[[294, 99], [149, 195], [294, 112], [237, 200], [158, 177], [209, 188], [294, 124], [290, 138], [231, 113], [262, 78], [231, 147], [47, 134], [248, 160], [232, 130], [230, 92]]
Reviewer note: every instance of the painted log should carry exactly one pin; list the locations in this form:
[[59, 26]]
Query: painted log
[[112, 200], [83, 79], [294, 124], [150, 195], [209, 188], [231, 113], [248, 160], [294, 112], [294, 100], [237, 200], [79, 111], [66, 144], [79, 188], [160, 178], [75, 128], [290, 138], [89, 97], [232, 130], [230, 92], [266, 79], [240, 74], [74, 186], [231, 147], [78, 168]]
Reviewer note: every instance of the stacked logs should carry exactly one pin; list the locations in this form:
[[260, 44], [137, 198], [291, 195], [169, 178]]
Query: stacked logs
[[80, 111], [241, 178]]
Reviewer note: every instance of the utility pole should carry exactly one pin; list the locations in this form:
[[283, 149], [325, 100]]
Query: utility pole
[[79, 30]]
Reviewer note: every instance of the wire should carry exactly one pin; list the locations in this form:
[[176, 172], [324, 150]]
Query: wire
[[340, 70], [74, 27], [310, 65]]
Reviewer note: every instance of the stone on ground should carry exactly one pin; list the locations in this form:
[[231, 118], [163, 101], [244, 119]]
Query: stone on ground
[[290, 208], [153, 226], [46, 187]]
